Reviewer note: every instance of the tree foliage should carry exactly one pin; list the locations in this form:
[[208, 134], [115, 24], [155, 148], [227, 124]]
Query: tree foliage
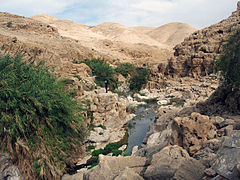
[[103, 71], [40, 124], [139, 78], [126, 69], [229, 62]]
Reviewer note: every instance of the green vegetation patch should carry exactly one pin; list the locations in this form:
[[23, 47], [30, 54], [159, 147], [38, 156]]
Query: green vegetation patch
[[40, 124], [229, 62], [89, 148], [139, 79], [103, 72], [126, 69]]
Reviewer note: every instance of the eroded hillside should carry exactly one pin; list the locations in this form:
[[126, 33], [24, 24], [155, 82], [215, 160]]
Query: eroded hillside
[[196, 55], [118, 43]]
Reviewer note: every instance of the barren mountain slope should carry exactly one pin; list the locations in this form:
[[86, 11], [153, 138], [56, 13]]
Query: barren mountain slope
[[44, 37], [38, 41], [171, 34], [118, 32], [115, 42], [143, 29]]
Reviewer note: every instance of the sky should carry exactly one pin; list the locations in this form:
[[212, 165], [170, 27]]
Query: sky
[[197, 13]]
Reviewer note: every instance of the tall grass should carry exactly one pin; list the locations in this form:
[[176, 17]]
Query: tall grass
[[40, 124]]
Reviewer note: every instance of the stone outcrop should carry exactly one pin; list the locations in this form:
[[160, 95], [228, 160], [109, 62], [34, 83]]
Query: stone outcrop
[[194, 131], [117, 167], [7, 170], [195, 55], [80, 76], [228, 157], [107, 109], [173, 162]]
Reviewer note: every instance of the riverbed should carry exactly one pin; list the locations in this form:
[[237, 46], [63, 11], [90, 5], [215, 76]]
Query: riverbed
[[138, 126]]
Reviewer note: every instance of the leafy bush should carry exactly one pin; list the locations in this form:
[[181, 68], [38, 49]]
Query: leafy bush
[[97, 152], [9, 24], [103, 72], [40, 125], [109, 147], [139, 79], [89, 148], [229, 62], [116, 152], [125, 69]]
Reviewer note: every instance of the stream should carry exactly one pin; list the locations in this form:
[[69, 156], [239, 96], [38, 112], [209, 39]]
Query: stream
[[138, 126]]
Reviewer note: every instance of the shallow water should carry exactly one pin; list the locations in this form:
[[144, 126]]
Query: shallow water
[[138, 126]]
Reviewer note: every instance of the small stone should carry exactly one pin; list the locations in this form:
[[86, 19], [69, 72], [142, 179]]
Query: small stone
[[230, 121], [163, 102], [122, 148], [238, 170], [210, 172], [228, 130], [212, 134], [217, 121], [134, 150]]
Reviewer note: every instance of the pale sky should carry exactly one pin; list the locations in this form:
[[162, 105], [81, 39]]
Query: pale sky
[[197, 13]]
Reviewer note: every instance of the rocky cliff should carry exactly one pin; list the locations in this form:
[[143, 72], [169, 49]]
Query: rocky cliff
[[195, 56]]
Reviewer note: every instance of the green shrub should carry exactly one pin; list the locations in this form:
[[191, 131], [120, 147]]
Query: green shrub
[[103, 71], [97, 152], [109, 147], [179, 105], [125, 69], [40, 125], [9, 24], [89, 148], [102, 126], [229, 62], [139, 79], [116, 152]]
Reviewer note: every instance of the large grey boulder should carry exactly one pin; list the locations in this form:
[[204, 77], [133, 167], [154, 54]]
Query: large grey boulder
[[111, 167], [128, 174], [173, 162], [7, 170], [228, 157]]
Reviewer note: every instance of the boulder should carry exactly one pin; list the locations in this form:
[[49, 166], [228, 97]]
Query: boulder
[[195, 131], [110, 167], [159, 138], [107, 108], [173, 162], [7, 170], [128, 174], [99, 135], [227, 163]]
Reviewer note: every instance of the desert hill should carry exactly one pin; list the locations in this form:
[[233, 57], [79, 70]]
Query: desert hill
[[171, 34], [44, 37], [115, 41]]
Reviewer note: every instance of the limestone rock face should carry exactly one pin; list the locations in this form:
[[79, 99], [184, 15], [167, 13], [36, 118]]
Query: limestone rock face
[[110, 167], [79, 74], [108, 109], [195, 56], [195, 130], [128, 174], [7, 170], [173, 162]]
